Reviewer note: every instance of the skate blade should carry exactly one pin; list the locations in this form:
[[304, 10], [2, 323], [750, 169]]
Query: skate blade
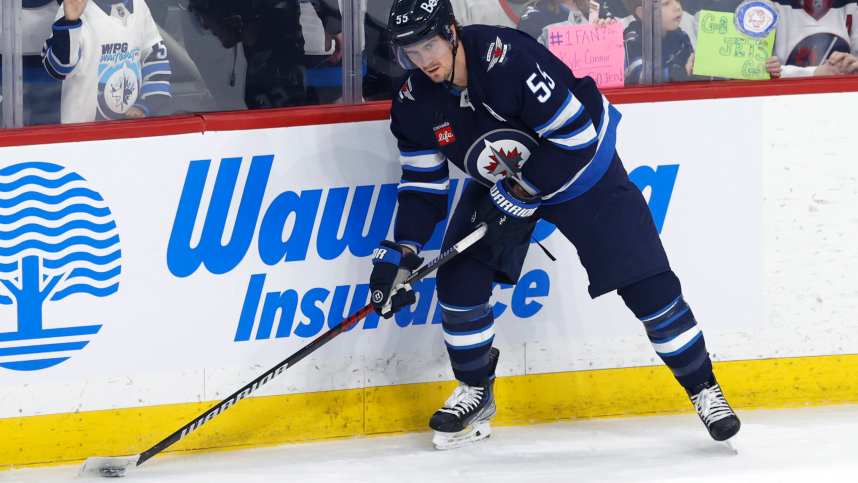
[[471, 434], [731, 445], [108, 466]]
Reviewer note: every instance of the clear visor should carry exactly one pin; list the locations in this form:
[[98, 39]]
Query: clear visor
[[422, 53]]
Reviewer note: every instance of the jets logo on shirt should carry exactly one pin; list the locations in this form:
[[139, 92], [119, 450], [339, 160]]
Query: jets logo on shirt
[[406, 91], [492, 156], [496, 53], [501, 161], [444, 134], [811, 50]]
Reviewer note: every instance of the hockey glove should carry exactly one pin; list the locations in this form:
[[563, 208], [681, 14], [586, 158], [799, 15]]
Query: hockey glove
[[506, 214], [391, 265]]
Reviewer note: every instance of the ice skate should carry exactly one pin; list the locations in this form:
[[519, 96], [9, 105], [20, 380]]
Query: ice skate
[[716, 414], [465, 416]]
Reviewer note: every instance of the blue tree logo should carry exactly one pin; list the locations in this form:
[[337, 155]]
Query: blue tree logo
[[58, 239]]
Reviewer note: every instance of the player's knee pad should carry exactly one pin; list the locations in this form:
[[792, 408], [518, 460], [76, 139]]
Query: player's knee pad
[[468, 334], [670, 326], [464, 325], [651, 294], [467, 327], [679, 342]]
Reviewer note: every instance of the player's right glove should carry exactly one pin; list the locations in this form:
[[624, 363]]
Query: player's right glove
[[391, 265]]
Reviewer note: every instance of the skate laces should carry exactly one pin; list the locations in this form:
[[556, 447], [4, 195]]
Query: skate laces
[[464, 399], [711, 404]]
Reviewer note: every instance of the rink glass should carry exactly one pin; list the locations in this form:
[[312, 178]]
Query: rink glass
[[220, 51]]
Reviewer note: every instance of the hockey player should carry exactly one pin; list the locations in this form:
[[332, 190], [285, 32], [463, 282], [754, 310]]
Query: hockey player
[[111, 59], [537, 142]]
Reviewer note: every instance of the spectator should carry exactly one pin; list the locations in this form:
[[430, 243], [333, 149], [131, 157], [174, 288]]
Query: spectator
[[36, 19], [541, 13], [324, 67], [321, 27], [619, 10], [485, 12], [383, 71], [694, 6], [41, 91], [677, 52], [111, 59], [269, 32], [614, 9], [691, 15], [814, 38]]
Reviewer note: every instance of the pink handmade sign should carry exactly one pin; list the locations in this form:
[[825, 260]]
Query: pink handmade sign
[[590, 50]]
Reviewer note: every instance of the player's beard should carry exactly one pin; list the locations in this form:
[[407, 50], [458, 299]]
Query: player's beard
[[439, 74]]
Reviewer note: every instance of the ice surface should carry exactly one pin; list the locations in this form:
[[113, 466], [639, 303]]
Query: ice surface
[[816, 445]]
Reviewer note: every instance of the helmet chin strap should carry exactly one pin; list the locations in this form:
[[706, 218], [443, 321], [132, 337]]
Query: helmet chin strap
[[455, 44]]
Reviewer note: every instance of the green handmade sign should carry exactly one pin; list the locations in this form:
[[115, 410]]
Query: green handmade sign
[[722, 51]]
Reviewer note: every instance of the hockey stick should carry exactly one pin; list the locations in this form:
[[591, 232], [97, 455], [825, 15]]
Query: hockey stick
[[113, 466]]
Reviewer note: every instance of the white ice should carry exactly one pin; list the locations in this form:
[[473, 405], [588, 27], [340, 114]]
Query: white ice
[[816, 445]]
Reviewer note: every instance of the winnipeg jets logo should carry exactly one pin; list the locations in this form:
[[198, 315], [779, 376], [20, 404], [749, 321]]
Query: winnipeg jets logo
[[496, 53], [811, 50], [501, 161], [406, 91], [121, 90], [498, 153], [503, 156]]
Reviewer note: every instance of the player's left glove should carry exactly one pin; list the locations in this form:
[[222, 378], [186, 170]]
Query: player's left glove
[[391, 265], [506, 213]]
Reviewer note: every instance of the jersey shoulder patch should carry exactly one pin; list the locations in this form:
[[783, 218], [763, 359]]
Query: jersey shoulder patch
[[497, 53], [406, 91], [491, 45], [416, 88]]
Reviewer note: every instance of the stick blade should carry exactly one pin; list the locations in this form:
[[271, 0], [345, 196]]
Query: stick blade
[[108, 466]]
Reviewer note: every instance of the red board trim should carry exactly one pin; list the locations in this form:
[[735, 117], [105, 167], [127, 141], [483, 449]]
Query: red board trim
[[380, 110], [162, 126], [688, 91]]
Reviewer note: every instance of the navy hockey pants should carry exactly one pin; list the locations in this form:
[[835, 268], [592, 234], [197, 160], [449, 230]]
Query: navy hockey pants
[[619, 247]]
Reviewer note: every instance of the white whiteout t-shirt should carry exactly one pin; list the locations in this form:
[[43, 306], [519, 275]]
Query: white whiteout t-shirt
[[108, 78], [484, 12]]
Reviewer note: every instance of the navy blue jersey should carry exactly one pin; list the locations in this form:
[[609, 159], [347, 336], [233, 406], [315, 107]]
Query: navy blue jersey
[[522, 108]]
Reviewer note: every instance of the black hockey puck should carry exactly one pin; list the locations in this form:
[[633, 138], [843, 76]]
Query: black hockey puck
[[112, 472]]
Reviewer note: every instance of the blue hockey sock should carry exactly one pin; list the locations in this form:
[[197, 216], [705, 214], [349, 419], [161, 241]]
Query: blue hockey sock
[[671, 328], [468, 334]]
